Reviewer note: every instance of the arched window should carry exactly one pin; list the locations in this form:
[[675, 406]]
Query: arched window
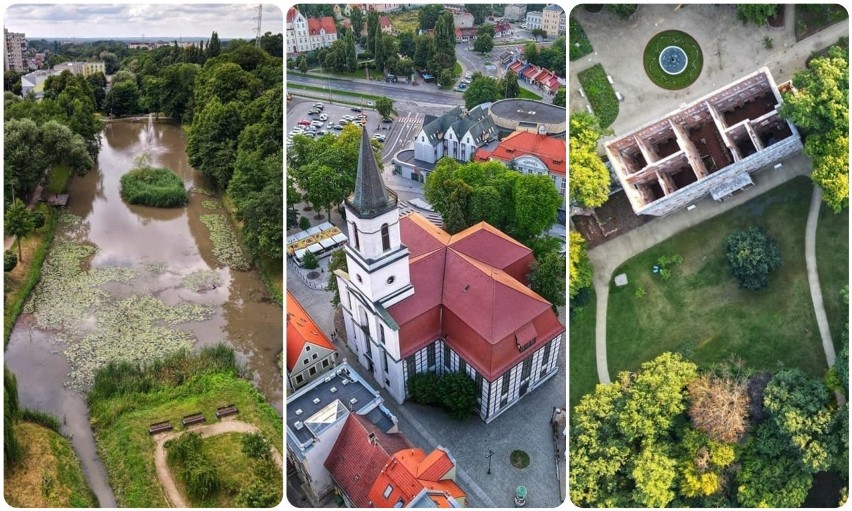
[[355, 233], [385, 237]]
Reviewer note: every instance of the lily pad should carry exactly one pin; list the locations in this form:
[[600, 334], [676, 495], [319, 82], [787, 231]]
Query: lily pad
[[226, 246]]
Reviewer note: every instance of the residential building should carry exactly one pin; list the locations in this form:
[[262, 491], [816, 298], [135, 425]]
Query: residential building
[[76, 68], [374, 469], [533, 20], [456, 133], [553, 20], [462, 19], [530, 153], [310, 354], [15, 46], [385, 25], [707, 146], [464, 35], [34, 82], [316, 415], [515, 12], [417, 299], [502, 28], [306, 34]]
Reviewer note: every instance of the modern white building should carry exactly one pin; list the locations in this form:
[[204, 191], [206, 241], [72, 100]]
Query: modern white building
[[456, 133], [416, 299]]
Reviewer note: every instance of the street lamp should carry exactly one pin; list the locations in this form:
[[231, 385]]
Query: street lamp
[[490, 453]]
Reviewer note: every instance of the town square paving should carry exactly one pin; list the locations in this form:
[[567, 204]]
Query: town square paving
[[731, 50]]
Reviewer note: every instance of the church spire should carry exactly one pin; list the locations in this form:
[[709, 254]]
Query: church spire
[[370, 197]]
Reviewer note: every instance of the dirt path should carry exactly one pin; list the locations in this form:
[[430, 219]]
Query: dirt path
[[173, 495]]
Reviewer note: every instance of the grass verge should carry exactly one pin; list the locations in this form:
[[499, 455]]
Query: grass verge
[[20, 282], [126, 400], [600, 93], [57, 179], [832, 254], [701, 311], [526, 94], [651, 59], [578, 40], [331, 91], [583, 373], [49, 473]]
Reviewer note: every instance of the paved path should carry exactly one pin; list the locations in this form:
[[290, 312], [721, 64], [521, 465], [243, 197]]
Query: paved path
[[813, 276], [173, 495], [607, 257]]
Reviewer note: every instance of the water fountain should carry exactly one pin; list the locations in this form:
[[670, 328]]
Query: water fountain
[[673, 60]]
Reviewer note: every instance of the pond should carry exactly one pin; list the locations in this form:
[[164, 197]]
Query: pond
[[154, 250]]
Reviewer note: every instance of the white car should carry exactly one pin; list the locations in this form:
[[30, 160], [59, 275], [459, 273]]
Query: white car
[[348, 117], [379, 137], [329, 125], [318, 124], [323, 117]]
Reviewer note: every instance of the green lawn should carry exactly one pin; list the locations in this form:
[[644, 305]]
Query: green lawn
[[578, 41], [526, 94], [832, 252], [600, 93], [583, 373], [702, 312], [121, 421], [233, 468], [651, 59]]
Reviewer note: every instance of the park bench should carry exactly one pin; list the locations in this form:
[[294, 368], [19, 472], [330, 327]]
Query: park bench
[[195, 418], [159, 427], [224, 411]]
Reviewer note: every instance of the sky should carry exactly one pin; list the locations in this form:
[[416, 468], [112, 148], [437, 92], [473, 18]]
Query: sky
[[230, 21]]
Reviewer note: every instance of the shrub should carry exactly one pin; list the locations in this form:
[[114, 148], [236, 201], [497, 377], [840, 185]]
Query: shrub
[[767, 42], [10, 260], [258, 494], [458, 394], [579, 45], [200, 476], [255, 446], [423, 388], [155, 187], [309, 261], [184, 447], [640, 292], [37, 218], [304, 223], [752, 255], [758, 14]]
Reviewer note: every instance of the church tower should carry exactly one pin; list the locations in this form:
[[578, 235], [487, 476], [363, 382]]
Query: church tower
[[375, 256], [377, 275]]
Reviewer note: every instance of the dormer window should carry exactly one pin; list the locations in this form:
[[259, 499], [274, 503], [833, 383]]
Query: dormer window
[[388, 491]]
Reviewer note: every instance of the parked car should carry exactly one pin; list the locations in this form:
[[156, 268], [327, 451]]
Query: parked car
[[387, 120], [330, 125], [322, 132], [337, 127], [468, 75], [319, 106], [314, 112], [304, 122], [349, 117], [379, 137], [356, 109], [343, 122], [323, 117], [317, 124]]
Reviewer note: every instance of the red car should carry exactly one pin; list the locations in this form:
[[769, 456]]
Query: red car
[[304, 122]]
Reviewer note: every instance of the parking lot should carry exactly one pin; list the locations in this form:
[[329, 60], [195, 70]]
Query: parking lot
[[297, 111]]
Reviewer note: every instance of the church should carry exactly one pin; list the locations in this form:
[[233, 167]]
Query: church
[[417, 299]]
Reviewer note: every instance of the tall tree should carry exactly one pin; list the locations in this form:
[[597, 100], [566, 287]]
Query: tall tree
[[351, 57], [18, 222], [384, 106], [212, 144], [213, 47], [559, 97], [483, 44], [482, 89], [758, 14], [508, 85], [428, 16], [445, 38], [547, 278], [122, 99], [590, 179]]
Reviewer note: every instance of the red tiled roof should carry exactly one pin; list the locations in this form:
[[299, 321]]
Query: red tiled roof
[[532, 71], [325, 23], [552, 82], [384, 21], [551, 151], [434, 466], [291, 14], [516, 65], [408, 472], [475, 278], [301, 330], [355, 461]]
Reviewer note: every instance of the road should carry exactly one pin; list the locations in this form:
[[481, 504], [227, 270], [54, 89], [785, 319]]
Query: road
[[418, 94]]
